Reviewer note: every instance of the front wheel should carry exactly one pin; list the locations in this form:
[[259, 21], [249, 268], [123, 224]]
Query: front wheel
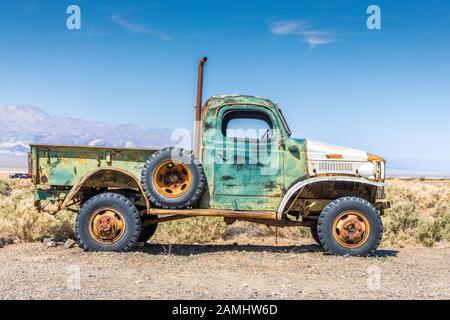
[[350, 226]]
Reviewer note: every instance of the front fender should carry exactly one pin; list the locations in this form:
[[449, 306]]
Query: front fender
[[301, 184]]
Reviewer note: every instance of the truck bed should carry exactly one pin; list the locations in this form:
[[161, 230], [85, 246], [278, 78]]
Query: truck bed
[[59, 165]]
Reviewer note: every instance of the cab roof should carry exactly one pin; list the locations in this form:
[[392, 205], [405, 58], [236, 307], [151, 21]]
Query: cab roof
[[220, 100], [214, 103]]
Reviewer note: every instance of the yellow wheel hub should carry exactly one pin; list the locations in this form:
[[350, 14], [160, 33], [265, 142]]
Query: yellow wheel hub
[[107, 225], [172, 179], [351, 229]]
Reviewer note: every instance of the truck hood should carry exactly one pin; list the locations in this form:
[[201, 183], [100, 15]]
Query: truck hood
[[327, 159], [323, 151]]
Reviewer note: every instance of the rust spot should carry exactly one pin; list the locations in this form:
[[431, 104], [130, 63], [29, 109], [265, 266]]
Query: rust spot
[[334, 156], [374, 157]]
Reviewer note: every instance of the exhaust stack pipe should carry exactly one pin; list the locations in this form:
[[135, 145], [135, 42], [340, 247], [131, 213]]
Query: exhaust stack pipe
[[198, 107]]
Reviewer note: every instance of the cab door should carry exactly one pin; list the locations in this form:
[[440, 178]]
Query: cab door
[[248, 168]]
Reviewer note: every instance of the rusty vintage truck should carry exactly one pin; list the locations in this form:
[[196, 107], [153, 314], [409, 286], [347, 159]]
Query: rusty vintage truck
[[245, 166]]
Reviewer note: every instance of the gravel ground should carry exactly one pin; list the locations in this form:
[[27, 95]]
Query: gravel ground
[[222, 271]]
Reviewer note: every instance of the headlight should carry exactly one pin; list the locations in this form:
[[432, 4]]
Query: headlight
[[367, 170]]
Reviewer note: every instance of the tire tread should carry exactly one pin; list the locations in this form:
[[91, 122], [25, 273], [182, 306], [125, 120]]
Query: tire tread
[[192, 200]]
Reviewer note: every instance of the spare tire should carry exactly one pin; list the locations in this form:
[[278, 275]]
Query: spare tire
[[173, 179]]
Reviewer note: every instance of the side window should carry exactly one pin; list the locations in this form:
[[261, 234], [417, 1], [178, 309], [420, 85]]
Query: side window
[[247, 125]]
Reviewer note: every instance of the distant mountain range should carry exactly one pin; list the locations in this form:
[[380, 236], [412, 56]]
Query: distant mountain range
[[418, 168], [21, 125]]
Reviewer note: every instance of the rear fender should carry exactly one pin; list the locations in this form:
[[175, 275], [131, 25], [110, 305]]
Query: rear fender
[[107, 177]]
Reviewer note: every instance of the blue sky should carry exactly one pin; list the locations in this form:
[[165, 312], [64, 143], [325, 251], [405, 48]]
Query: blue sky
[[386, 91]]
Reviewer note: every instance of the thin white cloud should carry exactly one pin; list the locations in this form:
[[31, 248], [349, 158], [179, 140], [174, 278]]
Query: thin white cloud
[[316, 37], [137, 28], [285, 27], [293, 27]]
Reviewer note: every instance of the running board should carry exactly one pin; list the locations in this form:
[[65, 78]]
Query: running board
[[269, 215]]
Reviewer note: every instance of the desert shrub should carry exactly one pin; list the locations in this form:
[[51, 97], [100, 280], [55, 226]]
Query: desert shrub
[[428, 232], [19, 218], [5, 188], [437, 227], [402, 217], [420, 212], [441, 215], [401, 220], [442, 208]]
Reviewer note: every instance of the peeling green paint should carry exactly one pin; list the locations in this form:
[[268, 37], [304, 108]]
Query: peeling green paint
[[66, 165]]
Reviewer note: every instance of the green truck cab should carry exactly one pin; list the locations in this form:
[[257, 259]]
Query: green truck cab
[[245, 166]]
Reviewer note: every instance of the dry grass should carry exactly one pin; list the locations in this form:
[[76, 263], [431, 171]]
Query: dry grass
[[193, 230], [207, 229], [420, 215], [19, 219], [5, 188], [420, 212]]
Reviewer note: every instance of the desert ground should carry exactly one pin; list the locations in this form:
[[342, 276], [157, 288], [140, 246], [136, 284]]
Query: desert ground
[[289, 270], [206, 259]]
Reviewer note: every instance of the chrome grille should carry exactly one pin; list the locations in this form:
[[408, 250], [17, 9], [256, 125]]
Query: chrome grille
[[334, 166]]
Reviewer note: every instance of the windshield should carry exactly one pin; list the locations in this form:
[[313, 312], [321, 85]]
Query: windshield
[[285, 124]]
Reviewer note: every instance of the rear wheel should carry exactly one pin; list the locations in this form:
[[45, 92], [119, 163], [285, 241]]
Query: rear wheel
[[350, 226], [173, 179], [108, 222]]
